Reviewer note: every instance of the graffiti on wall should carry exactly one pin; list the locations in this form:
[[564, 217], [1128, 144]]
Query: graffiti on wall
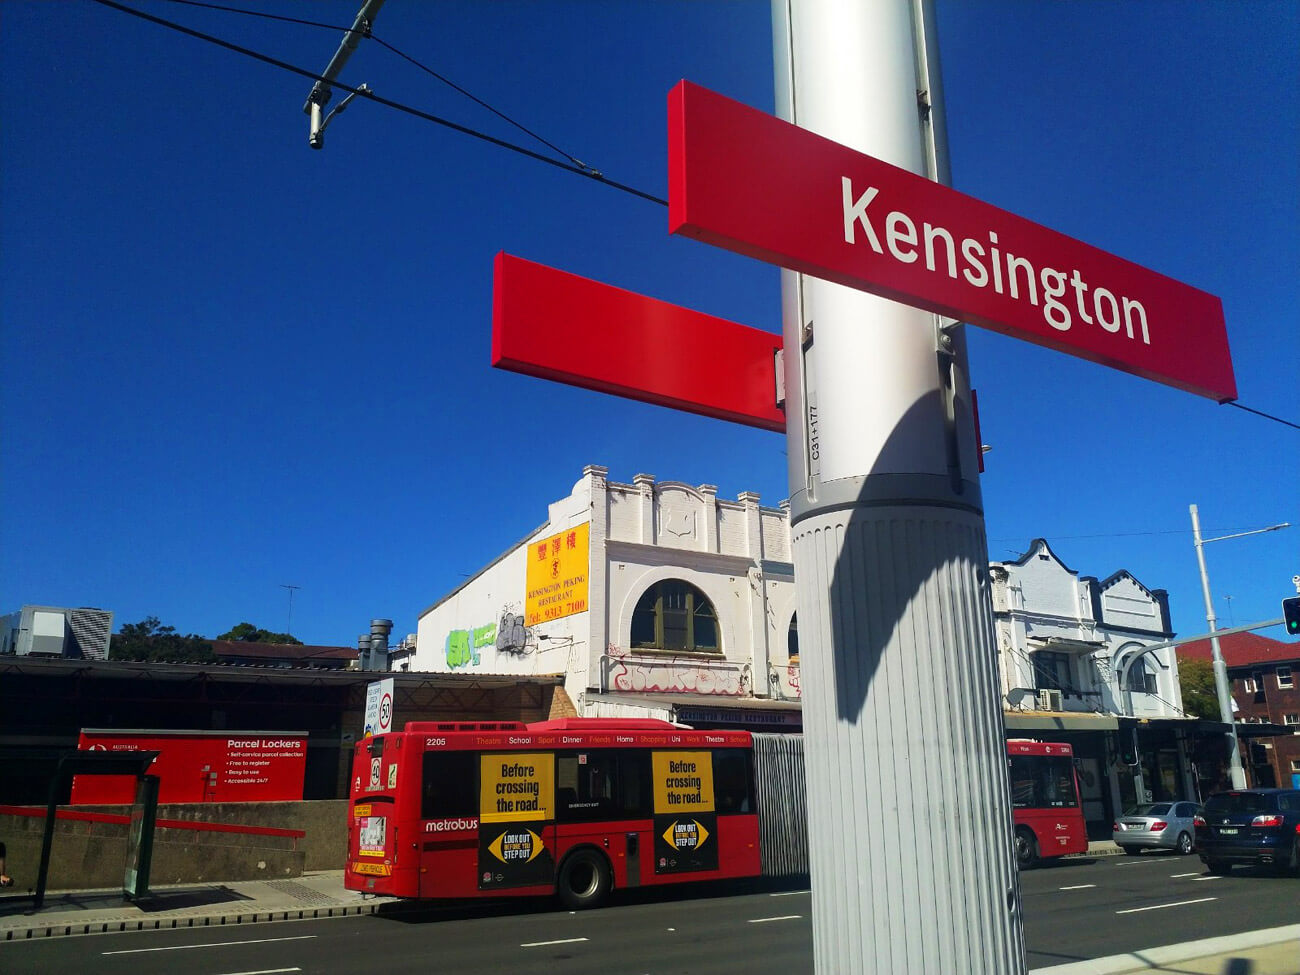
[[512, 634], [686, 674], [464, 648]]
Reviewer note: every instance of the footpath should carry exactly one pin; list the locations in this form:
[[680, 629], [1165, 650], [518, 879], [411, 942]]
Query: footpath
[[1275, 951]]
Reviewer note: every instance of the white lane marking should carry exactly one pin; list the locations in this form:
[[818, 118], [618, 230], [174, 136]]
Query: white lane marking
[[1211, 877], [1077, 887], [1175, 876], [543, 944], [266, 971], [214, 944], [1156, 907], [783, 917], [789, 893]]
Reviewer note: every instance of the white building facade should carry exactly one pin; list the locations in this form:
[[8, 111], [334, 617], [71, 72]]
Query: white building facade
[[653, 599], [1065, 643]]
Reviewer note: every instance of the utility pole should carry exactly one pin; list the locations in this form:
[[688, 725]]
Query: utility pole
[[902, 720], [1222, 685], [289, 626]]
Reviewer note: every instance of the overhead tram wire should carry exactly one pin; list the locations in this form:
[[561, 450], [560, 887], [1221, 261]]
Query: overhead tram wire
[[1267, 416], [370, 35], [570, 167], [573, 165]]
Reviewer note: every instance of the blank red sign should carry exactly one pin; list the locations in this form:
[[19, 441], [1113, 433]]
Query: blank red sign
[[751, 183]]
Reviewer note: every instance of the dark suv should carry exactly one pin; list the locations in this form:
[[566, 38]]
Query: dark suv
[[1254, 826]]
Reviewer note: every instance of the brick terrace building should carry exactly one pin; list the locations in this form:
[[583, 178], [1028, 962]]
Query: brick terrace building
[[1265, 677]]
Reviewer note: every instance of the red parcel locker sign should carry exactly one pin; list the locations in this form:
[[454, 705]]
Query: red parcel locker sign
[[751, 183], [200, 767]]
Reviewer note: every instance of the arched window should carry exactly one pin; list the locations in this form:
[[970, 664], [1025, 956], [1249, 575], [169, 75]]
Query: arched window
[[792, 639], [674, 615], [1140, 678]]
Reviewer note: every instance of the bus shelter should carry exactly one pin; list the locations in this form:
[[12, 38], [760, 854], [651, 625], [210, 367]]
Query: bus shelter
[[140, 833]]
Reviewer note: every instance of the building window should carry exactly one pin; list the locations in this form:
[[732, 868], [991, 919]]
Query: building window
[[1052, 671], [792, 639], [674, 615], [1248, 683], [1292, 719], [1141, 679], [1284, 679], [1295, 766]]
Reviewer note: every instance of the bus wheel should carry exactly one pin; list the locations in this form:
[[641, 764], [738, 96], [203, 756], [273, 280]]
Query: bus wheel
[[584, 880], [1026, 848]]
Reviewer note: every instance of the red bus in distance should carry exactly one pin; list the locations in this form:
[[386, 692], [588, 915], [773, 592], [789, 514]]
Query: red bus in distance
[[1045, 801]]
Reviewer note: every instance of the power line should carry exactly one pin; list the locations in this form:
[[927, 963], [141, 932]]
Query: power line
[[573, 166], [1267, 416], [398, 106], [404, 56]]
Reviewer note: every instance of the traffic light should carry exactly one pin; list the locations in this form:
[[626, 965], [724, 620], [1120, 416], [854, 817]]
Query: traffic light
[[1291, 611]]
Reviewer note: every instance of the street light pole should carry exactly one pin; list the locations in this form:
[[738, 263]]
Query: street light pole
[[1221, 685]]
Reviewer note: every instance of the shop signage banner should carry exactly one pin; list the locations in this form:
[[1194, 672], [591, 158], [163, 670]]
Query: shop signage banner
[[754, 184], [200, 767], [556, 577]]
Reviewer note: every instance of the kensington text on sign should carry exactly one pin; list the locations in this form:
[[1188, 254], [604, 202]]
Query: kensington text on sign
[[751, 183]]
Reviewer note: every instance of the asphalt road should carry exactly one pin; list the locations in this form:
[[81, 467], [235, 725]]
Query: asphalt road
[[1074, 909]]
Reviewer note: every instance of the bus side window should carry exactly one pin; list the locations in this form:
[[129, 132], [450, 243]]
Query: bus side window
[[634, 783], [732, 789], [449, 786]]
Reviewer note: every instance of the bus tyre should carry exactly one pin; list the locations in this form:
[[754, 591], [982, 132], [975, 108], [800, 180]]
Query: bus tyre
[[1026, 848], [584, 880]]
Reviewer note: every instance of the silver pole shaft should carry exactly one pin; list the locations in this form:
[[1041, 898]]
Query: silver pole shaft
[[1222, 685], [902, 722]]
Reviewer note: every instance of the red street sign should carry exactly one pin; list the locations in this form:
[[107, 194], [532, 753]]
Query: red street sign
[[751, 183], [559, 326]]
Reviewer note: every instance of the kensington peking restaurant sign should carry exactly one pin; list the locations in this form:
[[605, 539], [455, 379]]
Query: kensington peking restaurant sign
[[751, 183]]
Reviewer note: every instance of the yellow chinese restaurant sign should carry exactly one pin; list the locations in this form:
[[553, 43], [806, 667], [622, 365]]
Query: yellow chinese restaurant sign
[[557, 576]]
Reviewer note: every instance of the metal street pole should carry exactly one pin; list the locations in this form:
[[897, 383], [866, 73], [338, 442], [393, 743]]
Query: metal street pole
[[1222, 685], [902, 721]]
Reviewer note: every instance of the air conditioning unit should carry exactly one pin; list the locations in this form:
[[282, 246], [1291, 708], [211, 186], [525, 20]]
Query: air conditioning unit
[[1049, 700]]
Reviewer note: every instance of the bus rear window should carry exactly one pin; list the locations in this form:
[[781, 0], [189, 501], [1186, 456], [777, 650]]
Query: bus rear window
[[450, 785], [1042, 782]]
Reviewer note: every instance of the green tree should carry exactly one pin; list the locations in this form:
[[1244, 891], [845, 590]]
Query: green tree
[[248, 633], [150, 640], [1196, 680]]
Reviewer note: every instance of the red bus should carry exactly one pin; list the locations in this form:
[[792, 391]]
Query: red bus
[[575, 806], [1045, 801]]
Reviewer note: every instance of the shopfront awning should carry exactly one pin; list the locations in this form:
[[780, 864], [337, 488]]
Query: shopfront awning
[[1059, 721]]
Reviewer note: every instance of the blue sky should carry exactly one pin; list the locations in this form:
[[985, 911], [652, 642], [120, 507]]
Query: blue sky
[[233, 363]]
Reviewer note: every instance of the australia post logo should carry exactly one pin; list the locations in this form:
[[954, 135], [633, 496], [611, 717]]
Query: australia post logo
[[449, 825]]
